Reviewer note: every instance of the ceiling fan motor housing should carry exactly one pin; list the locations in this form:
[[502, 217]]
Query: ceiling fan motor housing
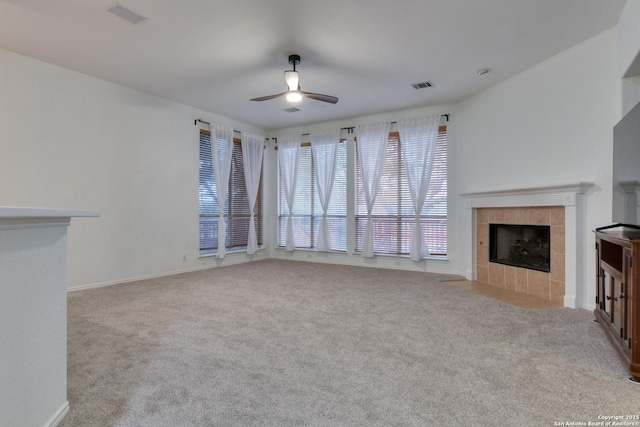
[[294, 60]]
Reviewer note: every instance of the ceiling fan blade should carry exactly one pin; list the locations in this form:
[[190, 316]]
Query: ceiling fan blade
[[266, 98], [320, 97]]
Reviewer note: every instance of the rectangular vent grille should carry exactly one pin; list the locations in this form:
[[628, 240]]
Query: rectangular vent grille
[[291, 110], [422, 85], [126, 14]]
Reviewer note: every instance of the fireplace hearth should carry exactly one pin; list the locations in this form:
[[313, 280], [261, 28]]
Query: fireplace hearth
[[525, 246]]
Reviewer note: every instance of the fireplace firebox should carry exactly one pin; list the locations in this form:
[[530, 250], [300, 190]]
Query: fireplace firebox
[[526, 246]]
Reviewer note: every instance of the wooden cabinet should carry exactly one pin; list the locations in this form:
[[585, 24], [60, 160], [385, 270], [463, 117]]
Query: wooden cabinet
[[618, 290]]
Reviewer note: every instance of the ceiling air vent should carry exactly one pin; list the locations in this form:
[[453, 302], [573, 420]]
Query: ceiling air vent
[[126, 14], [291, 110], [422, 85]]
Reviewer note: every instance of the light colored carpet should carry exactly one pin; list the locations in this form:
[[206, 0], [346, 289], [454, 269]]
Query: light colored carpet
[[284, 343]]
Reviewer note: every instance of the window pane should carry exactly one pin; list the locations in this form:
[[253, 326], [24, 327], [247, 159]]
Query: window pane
[[305, 198], [208, 194], [208, 232], [392, 216], [337, 232], [208, 198], [302, 231], [236, 208], [307, 209]]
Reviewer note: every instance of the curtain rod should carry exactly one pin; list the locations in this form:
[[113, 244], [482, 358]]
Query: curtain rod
[[196, 121], [349, 129]]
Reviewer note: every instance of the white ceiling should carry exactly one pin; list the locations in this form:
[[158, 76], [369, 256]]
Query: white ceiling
[[216, 55]]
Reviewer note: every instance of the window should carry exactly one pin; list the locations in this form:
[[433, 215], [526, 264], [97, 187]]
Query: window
[[307, 211], [236, 208], [393, 216]]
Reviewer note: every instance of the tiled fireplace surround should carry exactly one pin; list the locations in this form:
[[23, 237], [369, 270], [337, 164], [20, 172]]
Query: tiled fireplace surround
[[547, 286], [562, 208]]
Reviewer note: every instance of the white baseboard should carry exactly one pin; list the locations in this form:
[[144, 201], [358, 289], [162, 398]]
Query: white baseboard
[[570, 301], [135, 279], [308, 256], [229, 260], [58, 416]]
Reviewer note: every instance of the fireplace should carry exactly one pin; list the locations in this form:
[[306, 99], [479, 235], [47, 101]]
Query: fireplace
[[562, 207], [525, 246]]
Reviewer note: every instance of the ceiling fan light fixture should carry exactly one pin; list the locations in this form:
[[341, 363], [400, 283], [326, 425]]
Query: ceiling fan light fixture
[[294, 96], [292, 79]]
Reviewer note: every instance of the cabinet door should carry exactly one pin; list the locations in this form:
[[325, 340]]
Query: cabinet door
[[617, 298], [626, 300], [607, 302], [614, 302]]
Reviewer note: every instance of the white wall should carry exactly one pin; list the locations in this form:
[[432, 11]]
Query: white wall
[[549, 125], [68, 140], [629, 41], [33, 315], [629, 54]]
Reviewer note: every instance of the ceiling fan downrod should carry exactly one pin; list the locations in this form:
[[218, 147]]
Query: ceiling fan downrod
[[294, 60]]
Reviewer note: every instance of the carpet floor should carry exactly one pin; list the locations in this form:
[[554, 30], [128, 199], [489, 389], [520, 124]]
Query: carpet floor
[[285, 343]]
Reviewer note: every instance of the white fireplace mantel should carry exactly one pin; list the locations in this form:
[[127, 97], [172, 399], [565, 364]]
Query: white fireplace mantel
[[571, 196], [557, 195]]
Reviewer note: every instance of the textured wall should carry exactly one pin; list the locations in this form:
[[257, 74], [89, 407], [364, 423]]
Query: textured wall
[[68, 140], [33, 319]]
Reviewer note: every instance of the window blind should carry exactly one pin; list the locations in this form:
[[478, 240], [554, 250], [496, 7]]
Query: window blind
[[393, 216], [236, 208]]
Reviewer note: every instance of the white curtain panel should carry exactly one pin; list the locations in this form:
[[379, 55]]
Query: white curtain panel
[[288, 157], [372, 145], [418, 139], [252, 153], [324, 148], [221, 152]]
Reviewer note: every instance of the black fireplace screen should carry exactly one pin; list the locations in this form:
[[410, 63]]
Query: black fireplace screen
[[526, 246]]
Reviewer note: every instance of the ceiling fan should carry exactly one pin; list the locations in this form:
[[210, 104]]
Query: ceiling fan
[[294, 94]]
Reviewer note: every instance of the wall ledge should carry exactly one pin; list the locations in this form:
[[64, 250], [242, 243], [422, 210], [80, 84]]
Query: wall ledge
[[18, 212], [580, 187], [556, 195]]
